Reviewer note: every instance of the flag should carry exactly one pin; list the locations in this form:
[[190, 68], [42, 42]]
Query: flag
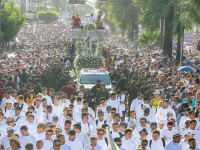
[[34, 28], [111, 144]]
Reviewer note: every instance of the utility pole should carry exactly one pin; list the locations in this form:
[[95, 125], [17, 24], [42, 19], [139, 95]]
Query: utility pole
[[134, 31]]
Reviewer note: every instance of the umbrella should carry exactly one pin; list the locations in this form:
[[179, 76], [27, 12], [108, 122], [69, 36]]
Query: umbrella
[[186, 69], [174, 45], [188, 36]]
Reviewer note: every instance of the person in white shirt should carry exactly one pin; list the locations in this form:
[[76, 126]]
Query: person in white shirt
[[7, 98], [131, 120], [5, 142], [162, 112], [92, 19], [32, 127], [16, 127], [113, 102], [39, 134], [39, 145], [184, 141], [146, 115], [73, 141], [56, 107], [85, 125], [115, 130], [196, 133], [100, 120], [78, 105], [174, 143], [192, 144], [168, 132], [121, 98], [48, 98], [22, 104], [137, 102], [116, 119], [81, 135], [143, 145], [14, 142], [90, 110], [48, 116], [38, 106], [156, 141], [19, 119], [26, 137], [161, 124], [64, 146], [103, 106], [64, 102], [101, 140], [93, 145], [128, 143], [48, 141], [8, 109], [110, 113], [66, 129]]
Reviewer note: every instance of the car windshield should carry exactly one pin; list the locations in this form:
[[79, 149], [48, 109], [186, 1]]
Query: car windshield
[[92, 78]]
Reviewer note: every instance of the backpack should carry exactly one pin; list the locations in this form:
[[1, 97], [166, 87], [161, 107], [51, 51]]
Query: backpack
[[120, 134], [98, 121], [106, 140], [163, 141]]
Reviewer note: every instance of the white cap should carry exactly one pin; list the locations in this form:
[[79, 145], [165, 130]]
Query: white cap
[[188, 132], [169, 87], [94, 135], [9, 128], [176, 134], [161, 121], [191, 86], [157, 92], [187, 90]]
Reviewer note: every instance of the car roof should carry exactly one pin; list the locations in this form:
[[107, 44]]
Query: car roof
[[98, 73]]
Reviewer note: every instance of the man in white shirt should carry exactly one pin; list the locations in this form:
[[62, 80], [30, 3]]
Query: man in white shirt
[[81, 135], [64, 102], [56, 107], [93, 145], [64, 146], [196, 133], [128, 143], [90, 110], [7, 98], [26, 138], [100, 120], [22, 104], [31, 125], [85, 125], [192, 144], [137, 102], [19, 119], [113, 102], [48, 116], [174, 143], [5, 142], [16, 127], [74, 142], [101, 140], [92, 19], [168, 132], [48, 141], [8, 109], [39, 134], [156, 141], [48, 98], [162, 112], [38, 106], [121, 98], [103, 106], [184, 141]]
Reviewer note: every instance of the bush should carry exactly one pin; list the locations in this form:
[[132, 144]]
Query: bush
[[48, 16], [32, 11]]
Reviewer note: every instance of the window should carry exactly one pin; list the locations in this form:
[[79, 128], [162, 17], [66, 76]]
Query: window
[[92, 78]]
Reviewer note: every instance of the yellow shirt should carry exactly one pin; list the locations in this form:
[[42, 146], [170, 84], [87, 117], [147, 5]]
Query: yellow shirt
[[156, 101]]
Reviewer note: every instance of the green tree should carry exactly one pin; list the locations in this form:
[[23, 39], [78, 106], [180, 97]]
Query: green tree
[[149, 39], [11, 20], [48, 16], [84, 9]]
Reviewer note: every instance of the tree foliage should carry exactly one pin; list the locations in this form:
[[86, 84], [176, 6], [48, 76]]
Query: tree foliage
[[11, 21], [149, 39], [48, 16]]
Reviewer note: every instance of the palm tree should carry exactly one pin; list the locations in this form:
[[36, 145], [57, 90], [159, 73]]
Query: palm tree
[[149, 39]]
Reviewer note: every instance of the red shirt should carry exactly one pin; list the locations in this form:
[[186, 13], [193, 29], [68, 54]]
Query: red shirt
[[68, 91], [77, 21]]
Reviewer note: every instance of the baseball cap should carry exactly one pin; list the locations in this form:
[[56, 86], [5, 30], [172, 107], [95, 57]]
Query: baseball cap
[[156, 92], [94, 136], [8, 102], [98, 80], [79, 99], [9, 120], [146, 111], [154, 123], [18, 108], [14, 138], [70, 115], [39, 94], [161, 121], [55, 118], [9, 128], [123, 124], [108, 108], [176, 134], [143, 130], [181, 81], [188, 133], [51, 89], [85, 101], [100, 113], [64, 96], [71, 105], [49, 124], [58, 128]]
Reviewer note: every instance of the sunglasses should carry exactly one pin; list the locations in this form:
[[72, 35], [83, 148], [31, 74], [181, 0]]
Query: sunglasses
[[100, 115], [93, 139], [48, 134], [58, 145], [102, 102], [144, 144], [100, 134], [119, 145], [50, 110], [112, 112]]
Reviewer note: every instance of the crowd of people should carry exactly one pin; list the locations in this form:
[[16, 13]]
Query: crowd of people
[[154, 106]]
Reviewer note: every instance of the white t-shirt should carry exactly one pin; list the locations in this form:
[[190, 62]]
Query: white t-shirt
[[83, 137], [128, 144], [63, 147], [88, 147], [38, 136], [192, 149], [92, 19], [5, 142], [49, 100], [75, 145], [171, 145], [47, 144], [121, 99], [57, 110], [156, 144], [116, 104], [103, 144], [27, 139]]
